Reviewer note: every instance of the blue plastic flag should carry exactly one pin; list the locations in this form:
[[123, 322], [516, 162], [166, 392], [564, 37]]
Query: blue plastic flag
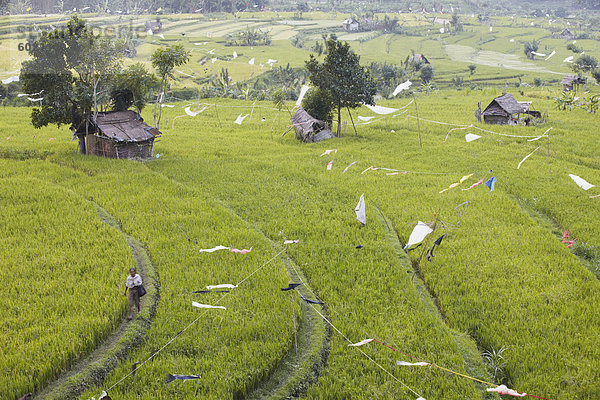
[[490, 183]]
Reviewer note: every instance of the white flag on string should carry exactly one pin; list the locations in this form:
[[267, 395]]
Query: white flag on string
[[302, 93], [382, 110], [240, 119], [469, 137], [418, 234], [402, 86], [361, 215], [221, 286], [199, 305], [362, 342], [582, 183]]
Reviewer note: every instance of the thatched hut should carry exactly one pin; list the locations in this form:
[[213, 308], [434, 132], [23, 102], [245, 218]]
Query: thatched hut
[[309, 129], [418, 58], [572, 82], [567, 34], [505, 110], [118, 134], [153, 26], [351, 25]]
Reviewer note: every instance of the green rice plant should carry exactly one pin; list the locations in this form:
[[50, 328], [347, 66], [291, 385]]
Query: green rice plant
[[496, 363]]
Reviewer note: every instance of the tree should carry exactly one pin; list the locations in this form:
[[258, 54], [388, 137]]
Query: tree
[[68, 65], [472, 68], [77, 71], [165, 60], [456, 24], [584, 63], [132, 87], [596, 76], [426, 73], [530, 48], [341, 75]]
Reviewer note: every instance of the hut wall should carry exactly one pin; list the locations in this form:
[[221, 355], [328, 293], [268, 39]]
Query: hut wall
[[134, 150], [103, 147], [496, 119], [99, 146]]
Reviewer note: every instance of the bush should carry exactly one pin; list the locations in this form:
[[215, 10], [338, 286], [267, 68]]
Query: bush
[[319, 104]]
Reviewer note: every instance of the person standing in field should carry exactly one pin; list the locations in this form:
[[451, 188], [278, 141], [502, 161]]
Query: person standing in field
[[134, 281]]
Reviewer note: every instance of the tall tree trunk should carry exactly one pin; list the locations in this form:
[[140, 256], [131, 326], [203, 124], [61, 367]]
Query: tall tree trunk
[[339, 128], [158, 100], [81, 144]]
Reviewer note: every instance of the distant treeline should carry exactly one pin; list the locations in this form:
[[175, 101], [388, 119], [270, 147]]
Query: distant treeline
[[232, 6]]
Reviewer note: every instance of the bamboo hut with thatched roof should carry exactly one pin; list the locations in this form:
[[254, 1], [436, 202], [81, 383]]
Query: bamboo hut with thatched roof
[[309, 129]]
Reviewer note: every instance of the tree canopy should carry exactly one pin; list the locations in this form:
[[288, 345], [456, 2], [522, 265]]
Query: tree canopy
[[341, 76], [165, 60], [77, 73]]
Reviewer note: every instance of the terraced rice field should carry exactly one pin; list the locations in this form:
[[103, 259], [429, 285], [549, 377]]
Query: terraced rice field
[[501, 278]]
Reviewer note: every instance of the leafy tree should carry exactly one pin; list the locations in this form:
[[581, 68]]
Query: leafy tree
[[302, 7], [389, 24], [455, 23], [530, 48], [592, 4], [132, 86], [584, 63], [71, 66], [573, 47], [426, 73], [341, 75], [165, 60], [596, 75], [319, 104], [472, 68]]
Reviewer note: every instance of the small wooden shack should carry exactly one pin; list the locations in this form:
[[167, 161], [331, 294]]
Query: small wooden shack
[[417, 58], [154, 26], [309, 129], [351, 25], [572, 82], [119, 134], [505, 110], [567, 34]]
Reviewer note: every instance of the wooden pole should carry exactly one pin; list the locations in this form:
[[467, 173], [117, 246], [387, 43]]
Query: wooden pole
[[350, 114], [217, 112], [418, 120], [294, 319], [425, 247], [549, 154], [252, 112]]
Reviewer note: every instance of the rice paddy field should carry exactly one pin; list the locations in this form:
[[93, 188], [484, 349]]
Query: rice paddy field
[[495, 46], [503, 301]]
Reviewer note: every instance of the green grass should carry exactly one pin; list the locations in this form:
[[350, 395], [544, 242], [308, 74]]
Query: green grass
[[500, 279], [499, 276], [61, 272]]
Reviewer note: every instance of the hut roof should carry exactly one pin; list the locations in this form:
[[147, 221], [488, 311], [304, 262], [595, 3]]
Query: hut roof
[[415, 58], [505, 105], [308, 128], [572, 80], [567, 33], [125, 126]]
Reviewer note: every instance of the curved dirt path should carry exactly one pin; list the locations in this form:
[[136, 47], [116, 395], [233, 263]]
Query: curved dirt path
[[92, 369]]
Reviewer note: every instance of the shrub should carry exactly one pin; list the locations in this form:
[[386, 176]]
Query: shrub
[[319, 104]]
